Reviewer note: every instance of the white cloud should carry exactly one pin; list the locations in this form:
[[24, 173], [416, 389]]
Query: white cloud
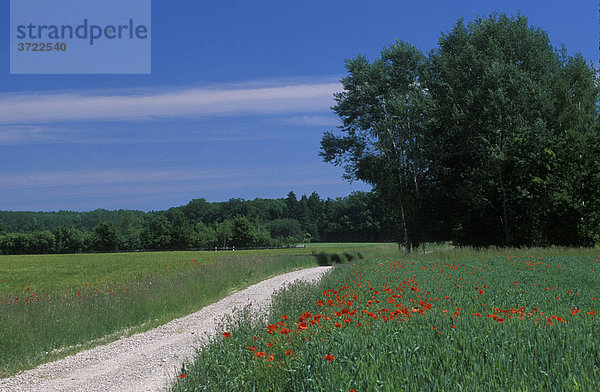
[[82, 134], [127, 105], [314, 120], [77, 178]]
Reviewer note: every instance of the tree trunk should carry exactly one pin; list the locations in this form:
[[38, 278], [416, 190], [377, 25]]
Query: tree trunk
[[404, 228], [505, 222]]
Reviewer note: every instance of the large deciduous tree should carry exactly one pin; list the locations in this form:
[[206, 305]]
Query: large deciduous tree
[[493, 138], [511, 119], [381, 108]]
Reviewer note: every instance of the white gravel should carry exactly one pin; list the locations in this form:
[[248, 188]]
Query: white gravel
[[147, 361]]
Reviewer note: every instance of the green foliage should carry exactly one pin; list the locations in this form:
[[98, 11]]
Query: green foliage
[[287, 230], [490, 140], [382, 108], [199, 224], [106, 237], [156, 233], [68, 240], [242, 233], [332, 258]]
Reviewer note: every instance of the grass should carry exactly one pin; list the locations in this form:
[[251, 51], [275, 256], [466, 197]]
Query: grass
[[455, 319], [55, 305]]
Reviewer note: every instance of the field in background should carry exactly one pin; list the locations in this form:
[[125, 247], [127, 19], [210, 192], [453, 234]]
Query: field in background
[[453, 319], [55, 305]]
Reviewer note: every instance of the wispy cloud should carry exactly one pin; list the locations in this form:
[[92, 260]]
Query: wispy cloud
[[128, 105], [87, 134], [75, 178], [86, 189], [313, 120]]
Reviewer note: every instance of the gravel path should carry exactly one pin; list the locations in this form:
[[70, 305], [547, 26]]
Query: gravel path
[[147, 361]]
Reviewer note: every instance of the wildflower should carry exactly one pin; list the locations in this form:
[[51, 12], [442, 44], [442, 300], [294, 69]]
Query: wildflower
[[226, 334], [285, 331], [329, 358]]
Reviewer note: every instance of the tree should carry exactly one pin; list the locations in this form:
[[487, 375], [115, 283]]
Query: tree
[[291, 202], [106, 237], [130, 228], [223, 232], [242, 233], [156, 233], [68, 240], [287, 230], [491, 140], [498, 141], [206, 236], [382, 110], [182, 233]]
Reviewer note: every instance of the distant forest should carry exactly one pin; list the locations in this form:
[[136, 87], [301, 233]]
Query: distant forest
[[359, 217]]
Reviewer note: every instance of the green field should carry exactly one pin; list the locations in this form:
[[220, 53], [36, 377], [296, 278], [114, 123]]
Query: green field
[[55, 305], [449, 320]]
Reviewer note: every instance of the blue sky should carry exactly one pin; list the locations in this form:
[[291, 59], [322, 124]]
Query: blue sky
[[235, 105]]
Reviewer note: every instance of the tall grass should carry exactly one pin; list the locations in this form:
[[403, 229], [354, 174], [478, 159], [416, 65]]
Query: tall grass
[[472, 321], [52, 306]]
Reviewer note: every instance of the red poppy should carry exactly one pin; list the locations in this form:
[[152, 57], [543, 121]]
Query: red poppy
[[226, 334], [329, 358]]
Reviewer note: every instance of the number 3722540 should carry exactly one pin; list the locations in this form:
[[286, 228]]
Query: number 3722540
[[41, 47]]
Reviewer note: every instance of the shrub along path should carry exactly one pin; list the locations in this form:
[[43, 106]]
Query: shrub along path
[[148, 361]]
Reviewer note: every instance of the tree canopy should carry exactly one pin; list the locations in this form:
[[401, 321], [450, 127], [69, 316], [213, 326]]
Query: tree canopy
[[490, 140]]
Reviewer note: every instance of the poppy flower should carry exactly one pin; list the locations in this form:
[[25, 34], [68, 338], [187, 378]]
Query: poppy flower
[[329, 358], [226, 334]]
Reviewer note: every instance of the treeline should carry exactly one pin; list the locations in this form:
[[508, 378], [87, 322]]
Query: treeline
[[358, 217], [491, 138]]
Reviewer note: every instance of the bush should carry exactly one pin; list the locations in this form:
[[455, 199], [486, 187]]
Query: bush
[[336, 259]]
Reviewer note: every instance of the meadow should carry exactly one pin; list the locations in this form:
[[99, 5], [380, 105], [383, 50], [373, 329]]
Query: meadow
[[452, 319], [55, 305]]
